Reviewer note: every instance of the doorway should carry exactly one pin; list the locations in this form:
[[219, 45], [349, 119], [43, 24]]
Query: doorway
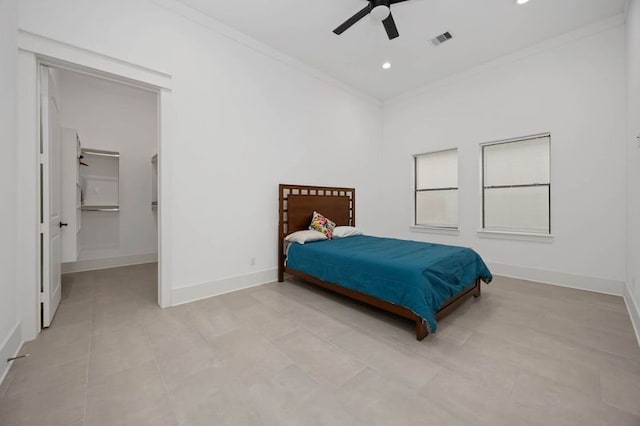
[[35, 51], [98, 178]]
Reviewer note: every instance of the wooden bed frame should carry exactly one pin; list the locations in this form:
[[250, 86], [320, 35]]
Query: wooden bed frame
[[296, 206]]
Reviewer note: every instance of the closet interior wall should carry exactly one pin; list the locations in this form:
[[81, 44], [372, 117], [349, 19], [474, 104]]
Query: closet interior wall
[[110, 116]]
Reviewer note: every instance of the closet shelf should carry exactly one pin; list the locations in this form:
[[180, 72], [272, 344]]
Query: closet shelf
[[100, 153]]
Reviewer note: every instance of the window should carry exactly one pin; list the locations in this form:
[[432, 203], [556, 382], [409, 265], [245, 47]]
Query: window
[[436, 189], [516, 193]]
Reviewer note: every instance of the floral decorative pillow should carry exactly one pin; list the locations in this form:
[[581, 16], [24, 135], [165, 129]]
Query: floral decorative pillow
[[322, 224]]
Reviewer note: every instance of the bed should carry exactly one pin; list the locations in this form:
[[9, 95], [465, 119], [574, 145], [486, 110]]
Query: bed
[[419, 281]]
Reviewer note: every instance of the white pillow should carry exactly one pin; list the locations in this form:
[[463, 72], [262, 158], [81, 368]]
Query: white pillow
[[305, 237], [345, 231]]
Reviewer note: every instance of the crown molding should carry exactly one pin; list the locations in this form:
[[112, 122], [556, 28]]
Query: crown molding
[[200, 18], [549, 44]]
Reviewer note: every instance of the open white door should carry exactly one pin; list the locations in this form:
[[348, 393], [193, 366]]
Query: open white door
[[50, 181]]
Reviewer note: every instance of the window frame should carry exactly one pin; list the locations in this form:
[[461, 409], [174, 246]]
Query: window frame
[[433, 227], [484, 187]]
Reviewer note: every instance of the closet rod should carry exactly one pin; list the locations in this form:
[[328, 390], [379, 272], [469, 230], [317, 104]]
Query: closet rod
[[101, 153], [100, 208]]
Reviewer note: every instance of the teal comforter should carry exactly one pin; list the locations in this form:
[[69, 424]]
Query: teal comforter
[[415, 275]]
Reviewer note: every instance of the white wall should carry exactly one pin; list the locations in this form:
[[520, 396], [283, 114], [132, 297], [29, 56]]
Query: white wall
[[633, 158], [573, 89], [9, 332], [242, 123], [115, 117]]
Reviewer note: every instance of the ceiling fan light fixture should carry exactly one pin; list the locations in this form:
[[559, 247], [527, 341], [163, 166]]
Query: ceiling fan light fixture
[[522, 1], [386, 65], [380, 12]]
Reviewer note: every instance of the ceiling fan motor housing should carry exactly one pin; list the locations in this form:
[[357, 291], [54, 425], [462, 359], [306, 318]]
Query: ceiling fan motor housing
[[380, 9]]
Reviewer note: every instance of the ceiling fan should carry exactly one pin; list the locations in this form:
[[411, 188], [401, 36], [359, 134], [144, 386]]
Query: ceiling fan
[[380, 10]]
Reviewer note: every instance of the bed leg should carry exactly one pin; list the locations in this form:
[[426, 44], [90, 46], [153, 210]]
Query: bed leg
[[421, 329], [280, 275], [476, 292]]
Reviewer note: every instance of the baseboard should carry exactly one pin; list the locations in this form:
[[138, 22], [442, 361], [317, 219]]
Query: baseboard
[[634, 310], [192, 293], [9, 348], [599, 285], [580, 282], [112, 262]]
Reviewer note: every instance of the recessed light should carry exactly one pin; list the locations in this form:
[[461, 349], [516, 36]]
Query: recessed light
[[386, 65], [522, 1]]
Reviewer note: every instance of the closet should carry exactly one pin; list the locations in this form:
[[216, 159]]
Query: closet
[[98, 194], [109, 188], [90, 182], [100, 180]]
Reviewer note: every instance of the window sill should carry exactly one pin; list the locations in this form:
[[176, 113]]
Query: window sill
[[518, 236], [435, 230]]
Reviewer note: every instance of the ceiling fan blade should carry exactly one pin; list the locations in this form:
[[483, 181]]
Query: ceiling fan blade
[[396, 1], [355, 18], [390, 26]]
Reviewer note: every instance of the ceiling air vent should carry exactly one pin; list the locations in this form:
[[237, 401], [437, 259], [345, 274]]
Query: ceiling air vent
[[442, 38]]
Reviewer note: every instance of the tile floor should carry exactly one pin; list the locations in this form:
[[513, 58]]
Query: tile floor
[[290, 354]]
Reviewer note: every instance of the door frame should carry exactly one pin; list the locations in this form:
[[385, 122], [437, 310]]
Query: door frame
[[35, 50]]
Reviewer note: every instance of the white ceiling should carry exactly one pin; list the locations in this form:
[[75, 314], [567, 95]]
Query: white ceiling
[[483, 30]]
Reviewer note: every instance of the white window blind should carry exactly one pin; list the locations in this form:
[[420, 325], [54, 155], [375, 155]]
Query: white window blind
[[517, 185], [436, 189]]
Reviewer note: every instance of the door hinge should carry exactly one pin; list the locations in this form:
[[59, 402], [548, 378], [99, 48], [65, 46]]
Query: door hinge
[[41, 297]]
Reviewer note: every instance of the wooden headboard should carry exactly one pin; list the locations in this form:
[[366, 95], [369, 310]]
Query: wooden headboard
[[297, 204]]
